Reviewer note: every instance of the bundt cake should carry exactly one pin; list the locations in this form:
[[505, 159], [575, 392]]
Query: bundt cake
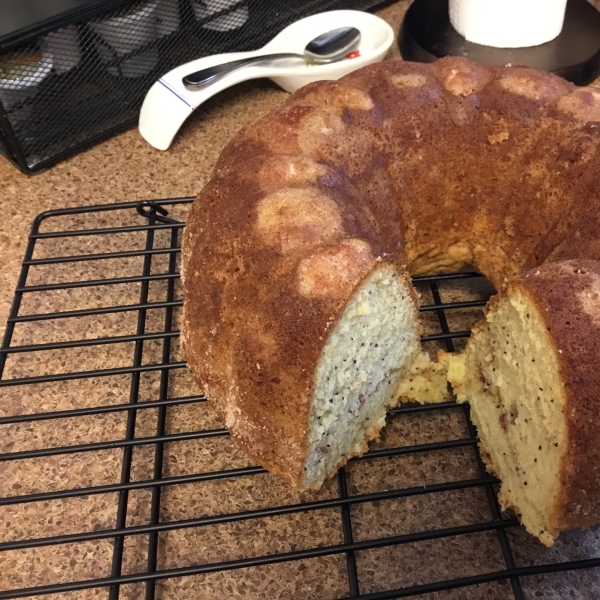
[[530, 373], [300, 321]]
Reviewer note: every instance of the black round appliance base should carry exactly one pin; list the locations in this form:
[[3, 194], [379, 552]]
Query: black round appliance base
[[427, 35]]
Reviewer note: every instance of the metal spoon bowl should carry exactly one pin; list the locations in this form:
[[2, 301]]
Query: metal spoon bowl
[[326, 48]]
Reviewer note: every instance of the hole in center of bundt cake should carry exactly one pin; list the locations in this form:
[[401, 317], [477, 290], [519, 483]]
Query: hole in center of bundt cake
[[372, 346]]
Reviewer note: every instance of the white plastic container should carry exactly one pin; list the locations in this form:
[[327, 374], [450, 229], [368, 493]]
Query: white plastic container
[[63, 45], [125, 34], [227, 22], [23, 84], [167, 17], [508, 23]]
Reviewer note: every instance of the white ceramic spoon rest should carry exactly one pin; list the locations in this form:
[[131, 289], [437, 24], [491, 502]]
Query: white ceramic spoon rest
[[168, 103]]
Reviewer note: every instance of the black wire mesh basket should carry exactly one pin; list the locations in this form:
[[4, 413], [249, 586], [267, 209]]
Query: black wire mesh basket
[[82, 77], [117, 480]]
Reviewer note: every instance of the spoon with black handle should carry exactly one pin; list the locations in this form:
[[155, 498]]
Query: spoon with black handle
[[326, 48]]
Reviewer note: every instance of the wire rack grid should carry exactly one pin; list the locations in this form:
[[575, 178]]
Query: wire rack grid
[[118, 481]]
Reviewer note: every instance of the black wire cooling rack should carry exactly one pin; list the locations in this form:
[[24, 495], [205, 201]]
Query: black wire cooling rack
[[117, 480]]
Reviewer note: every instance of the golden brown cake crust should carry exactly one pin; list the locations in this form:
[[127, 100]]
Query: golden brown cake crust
[[428, 167], [568, 296], [485, 166], [267, 280]]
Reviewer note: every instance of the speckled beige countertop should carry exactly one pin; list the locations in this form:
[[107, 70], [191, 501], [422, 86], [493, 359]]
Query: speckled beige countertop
[[126, 168]]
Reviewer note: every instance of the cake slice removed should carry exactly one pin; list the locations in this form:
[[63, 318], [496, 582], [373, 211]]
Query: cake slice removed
[[530, 375], [427, 380]]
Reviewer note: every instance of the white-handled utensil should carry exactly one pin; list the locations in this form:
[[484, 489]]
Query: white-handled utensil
[[326, 48], [169, 103]]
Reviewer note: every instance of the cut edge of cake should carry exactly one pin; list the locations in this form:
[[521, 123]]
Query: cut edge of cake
[[373, 346], [510, 375]]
